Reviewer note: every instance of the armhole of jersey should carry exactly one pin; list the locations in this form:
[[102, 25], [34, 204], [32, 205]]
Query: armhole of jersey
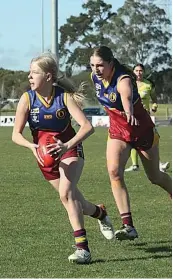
[[91, 75], [26, 94], [65, 98], [120, 78]]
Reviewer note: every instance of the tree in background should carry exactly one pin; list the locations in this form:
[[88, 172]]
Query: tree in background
[[137, 33], [81, 33], [14, 83], [140, 33]]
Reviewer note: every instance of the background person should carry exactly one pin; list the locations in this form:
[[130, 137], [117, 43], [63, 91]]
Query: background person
[[146, 90]]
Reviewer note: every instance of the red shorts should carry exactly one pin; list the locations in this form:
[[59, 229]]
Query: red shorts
[[142, 136], [143, 143], [53, 172], [77, 151]]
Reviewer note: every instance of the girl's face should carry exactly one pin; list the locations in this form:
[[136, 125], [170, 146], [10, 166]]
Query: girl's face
[[138, 72], [37, 78], [100, 68]]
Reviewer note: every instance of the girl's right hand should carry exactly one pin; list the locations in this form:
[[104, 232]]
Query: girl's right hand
[[33, 147], [131, 119]]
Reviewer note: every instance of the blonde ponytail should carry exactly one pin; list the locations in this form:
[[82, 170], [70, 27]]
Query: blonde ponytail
[[77, 93]]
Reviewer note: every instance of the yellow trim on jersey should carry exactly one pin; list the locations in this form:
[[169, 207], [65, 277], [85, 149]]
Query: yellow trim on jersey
[[50, 101], [121, 77], [65, 98], [136, 101], [106, 83], [92, 77], [28, 99]]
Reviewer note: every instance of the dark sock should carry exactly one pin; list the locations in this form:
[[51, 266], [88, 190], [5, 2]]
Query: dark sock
[[100, 212], [127, 219], [81, 240]]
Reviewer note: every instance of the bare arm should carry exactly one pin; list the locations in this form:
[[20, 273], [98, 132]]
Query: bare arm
[[125, 89], [20, 121]]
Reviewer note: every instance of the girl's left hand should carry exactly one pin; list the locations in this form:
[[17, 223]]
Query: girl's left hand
[[58, 148]]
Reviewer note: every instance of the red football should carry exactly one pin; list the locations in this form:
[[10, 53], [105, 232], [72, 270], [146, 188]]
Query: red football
[[48, 160]]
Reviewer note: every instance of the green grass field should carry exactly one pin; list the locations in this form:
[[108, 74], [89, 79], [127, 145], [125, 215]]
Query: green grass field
[[36, 237]]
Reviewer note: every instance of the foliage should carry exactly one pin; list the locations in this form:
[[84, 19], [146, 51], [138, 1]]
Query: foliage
[[138, 32], [12, 83], [163, 82], [84, 32]]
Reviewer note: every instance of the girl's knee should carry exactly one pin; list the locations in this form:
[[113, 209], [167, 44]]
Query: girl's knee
[[63, 197], [115, 174], [66, 196]]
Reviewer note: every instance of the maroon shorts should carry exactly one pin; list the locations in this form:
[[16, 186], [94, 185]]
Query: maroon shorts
[[147, 141], [53, 172], [143, 142], [140, 137]]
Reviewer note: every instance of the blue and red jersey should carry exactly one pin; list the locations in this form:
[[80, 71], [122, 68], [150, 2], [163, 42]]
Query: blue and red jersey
[[108, 95], [52, 117]]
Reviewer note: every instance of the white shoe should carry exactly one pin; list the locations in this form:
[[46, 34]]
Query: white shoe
[[164, 166], [126, 233], [80, 256], [106, 228], [133, 168]]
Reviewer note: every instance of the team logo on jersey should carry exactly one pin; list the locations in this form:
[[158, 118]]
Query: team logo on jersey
[[61, 113], [112, 97], [98, 87], [34, 112]]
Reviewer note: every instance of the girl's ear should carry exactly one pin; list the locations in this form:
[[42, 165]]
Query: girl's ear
[[111, 64], [49, 76]]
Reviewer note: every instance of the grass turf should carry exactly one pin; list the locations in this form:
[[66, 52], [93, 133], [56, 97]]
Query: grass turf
[[36, 237]]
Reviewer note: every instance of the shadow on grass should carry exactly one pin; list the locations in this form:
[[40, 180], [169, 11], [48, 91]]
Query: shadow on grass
[[138, 243], [154, 257], [166, 249], [156, 249]]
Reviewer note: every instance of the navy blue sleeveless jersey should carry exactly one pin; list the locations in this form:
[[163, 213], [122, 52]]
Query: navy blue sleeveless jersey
[[107, 93], [110, 98], [53, 116]]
